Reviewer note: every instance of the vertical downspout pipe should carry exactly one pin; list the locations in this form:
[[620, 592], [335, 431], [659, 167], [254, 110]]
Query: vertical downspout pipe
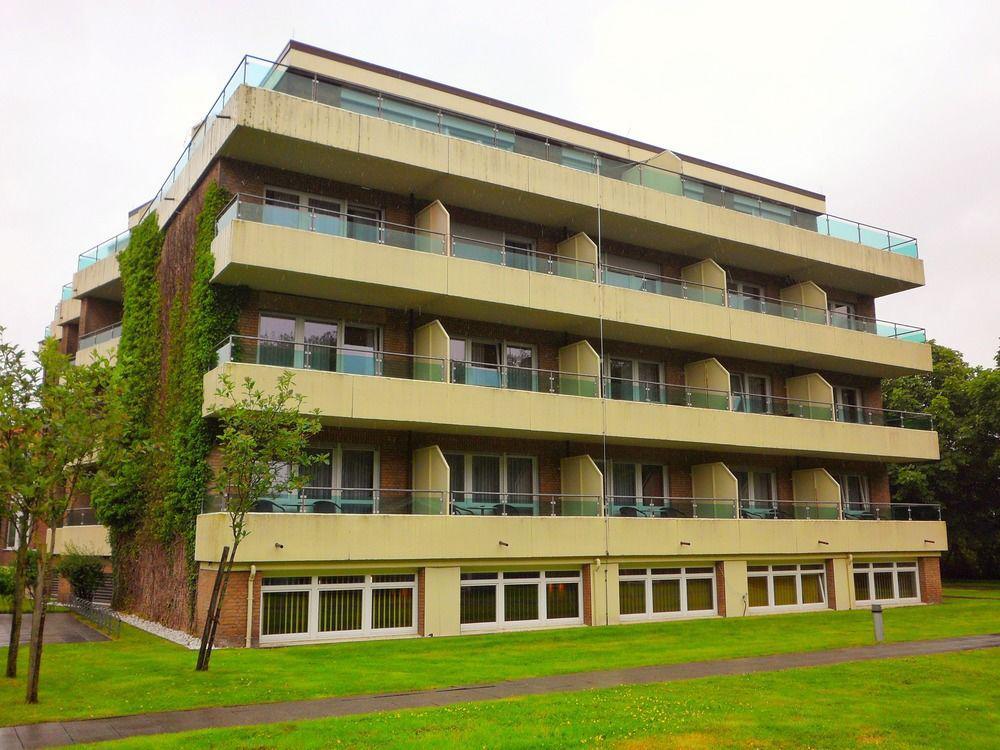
[[253, 574]]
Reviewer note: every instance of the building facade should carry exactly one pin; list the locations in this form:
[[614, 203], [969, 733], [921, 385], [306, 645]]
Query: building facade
[[565, 378]]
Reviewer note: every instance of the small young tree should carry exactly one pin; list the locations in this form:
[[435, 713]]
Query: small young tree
[[71, 404], [19, 427], [262, 435], [84, 571]]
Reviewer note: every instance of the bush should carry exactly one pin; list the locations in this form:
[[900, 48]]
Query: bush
[[84, 570], [6, 580]]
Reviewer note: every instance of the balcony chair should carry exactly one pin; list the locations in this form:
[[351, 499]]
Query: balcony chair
[[325, 506], [267, 506]]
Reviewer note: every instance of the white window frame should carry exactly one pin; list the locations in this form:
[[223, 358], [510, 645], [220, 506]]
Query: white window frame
[[745, 393], [800, 569], [342, 323], [683, 577], [607, 468], [888, 566], [838, 400], [314, 588], [467, 470], [866, 502], [751, 472], [11, 532], [500, 582], [344, 206]]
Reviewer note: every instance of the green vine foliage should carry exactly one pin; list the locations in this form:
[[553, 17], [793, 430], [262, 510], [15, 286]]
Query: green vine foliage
[[119, 499], [196, 330]]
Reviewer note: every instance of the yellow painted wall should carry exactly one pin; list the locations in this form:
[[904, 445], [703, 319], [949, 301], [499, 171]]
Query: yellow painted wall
[[705, 272], [432, 352], [713, 480], [436, 220], [810, 387], [578, 247], [581, 477], [431, 472], [735, 572], [107, 349], [410, 539], [442, 591], [805, 293], [708, 374], [843, 583], [91, 538], [815, 485], [98, 277]]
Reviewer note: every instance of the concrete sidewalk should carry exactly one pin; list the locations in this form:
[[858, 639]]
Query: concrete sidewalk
[[93, 730]]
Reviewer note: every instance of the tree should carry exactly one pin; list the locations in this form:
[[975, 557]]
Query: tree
[[262, 435], [70, 403], [19, 424], [965, 404]]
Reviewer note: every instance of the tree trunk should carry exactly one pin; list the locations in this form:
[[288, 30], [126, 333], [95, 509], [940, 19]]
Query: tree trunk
[[218, 607], [38, 619], [17, 599]]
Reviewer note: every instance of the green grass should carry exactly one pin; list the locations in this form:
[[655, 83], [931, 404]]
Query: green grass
[[27, 605], [947, 701], [140, 673]]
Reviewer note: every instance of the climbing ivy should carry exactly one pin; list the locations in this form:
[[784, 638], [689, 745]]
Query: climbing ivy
[[120, 498], [195, 330]]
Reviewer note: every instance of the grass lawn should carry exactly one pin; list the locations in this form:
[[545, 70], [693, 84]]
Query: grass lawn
[[948, 701], [140, 673], [27, 605]]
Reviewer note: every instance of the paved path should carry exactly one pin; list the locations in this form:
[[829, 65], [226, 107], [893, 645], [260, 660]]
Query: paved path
[[93, 730], [60, 627]]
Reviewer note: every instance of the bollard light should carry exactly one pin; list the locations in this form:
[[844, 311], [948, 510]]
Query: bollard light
[[877, 622]]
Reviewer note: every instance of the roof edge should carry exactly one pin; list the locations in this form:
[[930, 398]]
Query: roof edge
[[483, 99]]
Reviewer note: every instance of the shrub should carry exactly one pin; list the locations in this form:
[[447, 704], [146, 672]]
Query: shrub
[[83, 569], [6, 580]]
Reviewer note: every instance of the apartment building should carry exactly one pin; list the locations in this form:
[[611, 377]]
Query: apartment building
[[565, 378]]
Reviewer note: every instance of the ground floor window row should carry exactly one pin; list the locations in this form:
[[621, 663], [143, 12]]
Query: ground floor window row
[[661, 593], [886, 582], [512, 599], [331, 606], [786, 586]]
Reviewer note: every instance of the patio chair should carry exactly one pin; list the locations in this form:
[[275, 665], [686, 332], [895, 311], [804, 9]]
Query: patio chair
[[267, 506], [325, 506], [628, 511]]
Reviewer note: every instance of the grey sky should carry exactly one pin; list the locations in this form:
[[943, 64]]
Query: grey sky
[[892, 109]]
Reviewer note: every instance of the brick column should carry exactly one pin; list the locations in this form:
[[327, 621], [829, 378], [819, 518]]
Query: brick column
[[831, 587], [588, 595], [232, 630], [421, 594], [720, 589], [929, 572]]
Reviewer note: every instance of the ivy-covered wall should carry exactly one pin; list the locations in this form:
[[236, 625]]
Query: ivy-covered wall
[[173, 317]]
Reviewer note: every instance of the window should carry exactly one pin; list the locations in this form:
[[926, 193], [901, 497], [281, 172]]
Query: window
[[841, 313], [891, 582], [854, 492], [634, 489], [495, 364], [848, 404], [493, 485], [10, 539], [323, 214], [336, 346], [517, 599], [745, 296], [635, 380], [751, 393], [494, 246], [346, 481], [757, 493], [772, 587], [663, 593], [327, 607]]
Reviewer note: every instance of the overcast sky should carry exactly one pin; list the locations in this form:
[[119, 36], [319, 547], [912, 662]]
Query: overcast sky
[[891, 109]]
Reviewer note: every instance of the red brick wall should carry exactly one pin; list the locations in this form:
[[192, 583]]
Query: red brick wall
[[929, 571], [233, 620], [720, 588], [588, 595], [98, 313], [831, 589], [421, 595]]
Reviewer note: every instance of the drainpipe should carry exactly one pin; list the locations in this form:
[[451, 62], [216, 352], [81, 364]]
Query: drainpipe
[[851, 594], [253, 574]]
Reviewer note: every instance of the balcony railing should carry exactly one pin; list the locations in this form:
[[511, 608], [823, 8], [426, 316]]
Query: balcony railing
[[104, 250], [626, 389], [81, 517], [295, 216], [523, 258], [101, 335], [523, 378], [358, 361], [260, 73], [382, 501], [668, 287]]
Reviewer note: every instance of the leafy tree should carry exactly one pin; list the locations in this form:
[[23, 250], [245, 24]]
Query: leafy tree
[[262, 434], [72, 418], [19, 425], [965, 403], [84, 571]]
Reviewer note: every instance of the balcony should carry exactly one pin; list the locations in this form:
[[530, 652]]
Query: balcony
[[422, 392], [100, 343], [97, 273], [82, 530], [67, 308], [266, 109], [288, 249]]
